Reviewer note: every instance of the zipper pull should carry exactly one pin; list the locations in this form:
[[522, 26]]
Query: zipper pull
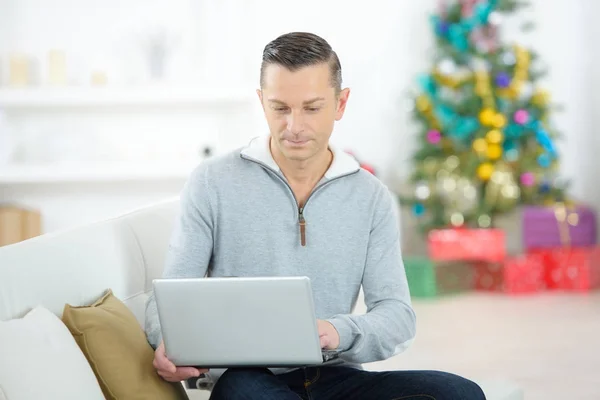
[[302, 224]]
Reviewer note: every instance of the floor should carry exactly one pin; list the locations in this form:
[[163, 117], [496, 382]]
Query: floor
[[549, 344]]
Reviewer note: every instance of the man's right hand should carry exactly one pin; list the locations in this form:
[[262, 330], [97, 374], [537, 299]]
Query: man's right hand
[[168, 371]]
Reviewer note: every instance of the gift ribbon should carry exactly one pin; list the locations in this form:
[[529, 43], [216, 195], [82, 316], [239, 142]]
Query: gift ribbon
[[564, 219]]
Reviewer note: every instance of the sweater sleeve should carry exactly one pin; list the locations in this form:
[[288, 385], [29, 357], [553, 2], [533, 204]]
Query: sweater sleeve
[[389, 324], [190, 246]]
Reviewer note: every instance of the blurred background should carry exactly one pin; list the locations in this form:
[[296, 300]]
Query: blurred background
[[106, 106]]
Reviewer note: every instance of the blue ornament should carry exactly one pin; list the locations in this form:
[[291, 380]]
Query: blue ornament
[[545, 187], [544, 140], [503, 80], [544, 160], [443, 28], [418, 209]]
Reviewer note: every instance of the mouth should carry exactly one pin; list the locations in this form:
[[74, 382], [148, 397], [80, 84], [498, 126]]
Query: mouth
[[296, 142]]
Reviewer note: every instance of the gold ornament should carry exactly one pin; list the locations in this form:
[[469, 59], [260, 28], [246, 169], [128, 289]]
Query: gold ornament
[[484, 221], [452, 163], [541, 98], [484, 171], [486, 117], [457, 219], [447, 145], [423, 103], [499, 121], [494, 151], [465, 200], [430, 166], [502, 192], [480, 145], [494, 136]]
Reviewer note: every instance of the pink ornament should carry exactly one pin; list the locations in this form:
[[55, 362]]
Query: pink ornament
[[468, 7], [434, 136], [521, 117], [528, 179]]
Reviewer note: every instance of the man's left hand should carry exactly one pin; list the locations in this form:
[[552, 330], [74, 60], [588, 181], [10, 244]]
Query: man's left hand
[[330, 338]]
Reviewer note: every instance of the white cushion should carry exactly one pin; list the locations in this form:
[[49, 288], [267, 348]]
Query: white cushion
[[41, 360]]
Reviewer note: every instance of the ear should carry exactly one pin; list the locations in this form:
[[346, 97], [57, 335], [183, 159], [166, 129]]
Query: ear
[[341, 103], [260, 97]]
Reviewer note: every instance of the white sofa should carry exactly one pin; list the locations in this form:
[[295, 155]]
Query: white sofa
[[124, 253]]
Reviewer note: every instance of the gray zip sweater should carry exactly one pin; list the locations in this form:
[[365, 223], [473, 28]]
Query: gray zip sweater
[[239, 217]]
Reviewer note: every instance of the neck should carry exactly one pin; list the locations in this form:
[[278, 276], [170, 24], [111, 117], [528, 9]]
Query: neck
[[304, 172]]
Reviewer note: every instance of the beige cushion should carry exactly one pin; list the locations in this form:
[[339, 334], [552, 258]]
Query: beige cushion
[[117, 349]]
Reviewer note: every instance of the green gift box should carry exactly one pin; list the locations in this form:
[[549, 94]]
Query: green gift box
[[428, 278]]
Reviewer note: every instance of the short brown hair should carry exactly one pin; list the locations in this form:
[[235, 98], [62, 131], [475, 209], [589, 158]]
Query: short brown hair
[[296, 50]]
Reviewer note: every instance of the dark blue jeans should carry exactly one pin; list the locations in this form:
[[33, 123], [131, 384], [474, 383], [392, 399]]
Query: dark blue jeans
[[333, 383]]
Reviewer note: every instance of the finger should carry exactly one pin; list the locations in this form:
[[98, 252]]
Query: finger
[[163, 363], [167, 376], [324, 341], [188, 372], [178, 376]]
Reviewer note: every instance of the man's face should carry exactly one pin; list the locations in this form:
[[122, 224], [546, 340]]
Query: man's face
[[301, 108]]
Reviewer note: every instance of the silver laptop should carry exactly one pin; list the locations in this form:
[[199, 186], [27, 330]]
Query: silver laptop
[[239, 322]]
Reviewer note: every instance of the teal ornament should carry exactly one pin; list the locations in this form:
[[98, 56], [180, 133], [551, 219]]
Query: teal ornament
[[428, 84], [445, 115], [458, 38], [418, 209], [511, 155], [469, 24], [544, 160], [465, 127], [483, 11], [513, 131], [456, 126]]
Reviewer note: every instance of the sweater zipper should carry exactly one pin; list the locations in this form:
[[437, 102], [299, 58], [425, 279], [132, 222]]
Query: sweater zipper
[[301, 219]]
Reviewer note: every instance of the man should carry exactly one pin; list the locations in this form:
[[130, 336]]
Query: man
[[290, 204]]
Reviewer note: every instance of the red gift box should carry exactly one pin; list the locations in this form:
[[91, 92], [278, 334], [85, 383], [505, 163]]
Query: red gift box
[[514, 275], [572, 268], [467, 245]]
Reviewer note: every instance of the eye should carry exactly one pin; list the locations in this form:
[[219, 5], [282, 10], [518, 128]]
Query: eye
[[280, 109], [313, 109]]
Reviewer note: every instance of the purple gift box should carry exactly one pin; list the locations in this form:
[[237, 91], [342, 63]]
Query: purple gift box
[[557, 226]]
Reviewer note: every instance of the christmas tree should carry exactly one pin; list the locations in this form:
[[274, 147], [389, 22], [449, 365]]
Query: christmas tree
[[485, 143]]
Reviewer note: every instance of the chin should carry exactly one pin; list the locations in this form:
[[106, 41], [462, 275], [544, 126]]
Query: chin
[[297, 155]]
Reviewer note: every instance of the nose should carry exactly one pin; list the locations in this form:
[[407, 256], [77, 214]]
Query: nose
[[295, 124]]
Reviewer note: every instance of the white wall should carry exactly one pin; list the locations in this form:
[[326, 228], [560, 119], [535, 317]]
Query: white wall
[[382, 44]]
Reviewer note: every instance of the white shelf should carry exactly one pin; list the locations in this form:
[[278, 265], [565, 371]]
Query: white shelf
[[56, 174], [75, 97]]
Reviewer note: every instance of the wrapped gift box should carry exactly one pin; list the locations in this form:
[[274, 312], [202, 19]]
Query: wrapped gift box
[[514, 275], [427, 278], [18, 224], [467, 245], [413, 242], [558, 226], [572, 269]]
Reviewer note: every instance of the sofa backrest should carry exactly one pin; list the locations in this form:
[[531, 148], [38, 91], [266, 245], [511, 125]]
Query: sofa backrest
[[76, 266]]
